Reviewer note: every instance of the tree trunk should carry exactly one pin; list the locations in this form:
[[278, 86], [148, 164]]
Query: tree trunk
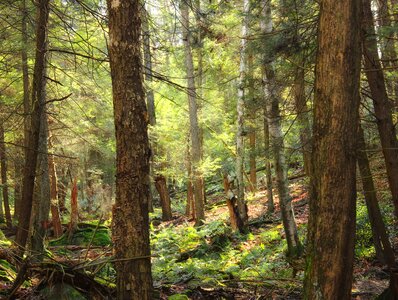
[[4, 182], [331, 233], [252, 126], [300, 102], [150, 97], [380, 238], [240, 147], [130, 228], [62, 189], [18, 165], [41, 201], [26, 107], [161, 186], [190, 208], [268, 174], [234, 216], [193, 117], [74, 209], [54, 193], [37, 101], [381, 103], [199, 82], [272, 92]]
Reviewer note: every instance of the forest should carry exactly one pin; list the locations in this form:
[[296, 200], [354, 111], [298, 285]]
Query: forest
[[198, 149]]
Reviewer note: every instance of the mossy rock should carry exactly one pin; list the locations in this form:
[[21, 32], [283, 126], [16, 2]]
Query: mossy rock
[[83, 237]]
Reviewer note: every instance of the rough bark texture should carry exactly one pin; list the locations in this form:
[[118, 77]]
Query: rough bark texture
[[41, 200], [74, 209], [332, 205], [268, 174], [161, 186], [272, 95], [240, 146], [37, 107], [4, 182], [381, 103], [193, 117], [130, 228], [234, 216]]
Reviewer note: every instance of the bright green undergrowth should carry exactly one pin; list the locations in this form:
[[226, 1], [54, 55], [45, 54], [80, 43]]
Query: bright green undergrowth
[[212, 255]]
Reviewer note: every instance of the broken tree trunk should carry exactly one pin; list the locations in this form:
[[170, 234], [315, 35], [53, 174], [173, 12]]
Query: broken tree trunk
[[161, 186]]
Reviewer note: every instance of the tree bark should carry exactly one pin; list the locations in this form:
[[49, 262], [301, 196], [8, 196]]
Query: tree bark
[[268, 174], [18, 165], [193, 117], [272, 95], [56, 220], [62, 189], [26, 106], [4, 182], [37, 102], [161, 186], [240, 134], [252, 124], [74, 209], [331, 232], [41, 200], [234, 216], [190, 208], [150, 97], [381, 103], [130, 228]]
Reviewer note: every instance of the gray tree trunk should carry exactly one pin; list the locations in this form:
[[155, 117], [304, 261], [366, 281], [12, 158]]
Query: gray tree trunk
[[272, 93], [268, 174], [193, 117], [240, 146]]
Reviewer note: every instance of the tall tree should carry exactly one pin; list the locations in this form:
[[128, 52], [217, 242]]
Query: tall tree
[[35, 120], [273, 94], [41, 200], [193, 116], [381, 102], [333, 182], [240, 134], [130, 228], [4, 181], [268, 173]]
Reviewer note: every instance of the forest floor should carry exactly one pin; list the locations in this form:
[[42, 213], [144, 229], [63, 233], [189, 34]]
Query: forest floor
[[209, 262], [277, 281]]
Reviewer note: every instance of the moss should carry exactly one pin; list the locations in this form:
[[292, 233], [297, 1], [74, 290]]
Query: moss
[[83, 237]]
